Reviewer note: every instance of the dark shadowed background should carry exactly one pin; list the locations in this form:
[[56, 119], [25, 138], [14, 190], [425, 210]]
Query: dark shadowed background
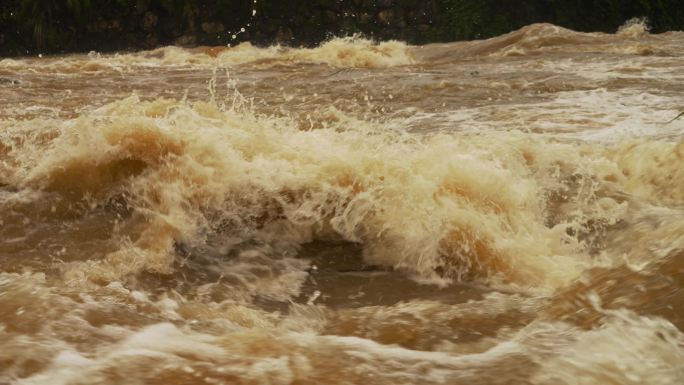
[[53, 26]]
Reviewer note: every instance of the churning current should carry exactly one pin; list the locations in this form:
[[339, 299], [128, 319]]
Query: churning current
[[505, 211]]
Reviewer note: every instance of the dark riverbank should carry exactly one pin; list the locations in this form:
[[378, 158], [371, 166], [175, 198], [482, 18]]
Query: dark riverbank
[[56, 26]]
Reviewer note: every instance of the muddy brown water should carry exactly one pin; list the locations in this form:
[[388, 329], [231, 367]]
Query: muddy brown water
[[507, 211]]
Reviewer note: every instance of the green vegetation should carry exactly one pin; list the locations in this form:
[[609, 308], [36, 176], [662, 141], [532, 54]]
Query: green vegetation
[[45, 24], [463, 19], [29, 26], [466, 19]]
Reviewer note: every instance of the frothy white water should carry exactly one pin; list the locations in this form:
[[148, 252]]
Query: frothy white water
[[463, 205], [491, 212]]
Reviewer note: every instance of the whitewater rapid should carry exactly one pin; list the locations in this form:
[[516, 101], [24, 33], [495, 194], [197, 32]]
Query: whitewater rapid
[[501, 211]]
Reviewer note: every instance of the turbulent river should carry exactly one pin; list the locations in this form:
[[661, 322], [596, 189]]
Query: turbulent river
[[504, 211]]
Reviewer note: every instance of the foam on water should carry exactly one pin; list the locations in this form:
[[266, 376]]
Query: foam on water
[[338, 52], [489, 212]]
